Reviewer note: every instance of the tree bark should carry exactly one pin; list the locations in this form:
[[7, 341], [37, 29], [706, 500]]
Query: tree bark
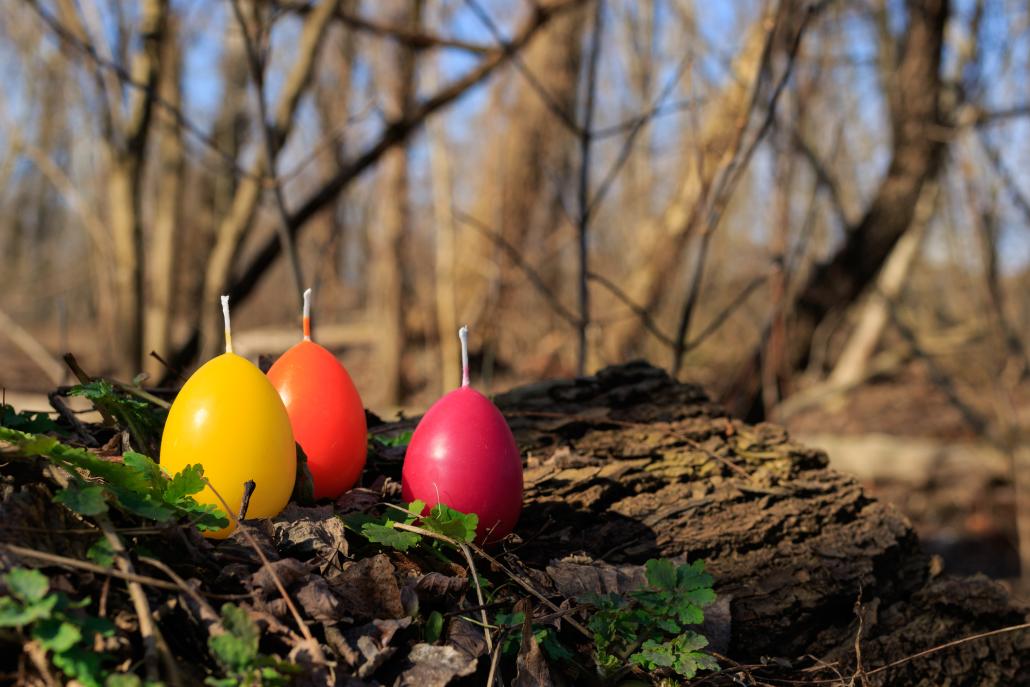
[[858, 351], [127, 153], [388, 280], [163, 255], [630, 465], [918, 148]]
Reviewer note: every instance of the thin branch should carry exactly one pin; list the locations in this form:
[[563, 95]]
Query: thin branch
[[636, 126], [271, 144], [641, 312], [509, 48], [513, 254], [583, 195], [68, 37], [727, 180]]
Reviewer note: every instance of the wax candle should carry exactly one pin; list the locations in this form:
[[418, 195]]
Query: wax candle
[[463, 454], [325, 411], [229, 418]]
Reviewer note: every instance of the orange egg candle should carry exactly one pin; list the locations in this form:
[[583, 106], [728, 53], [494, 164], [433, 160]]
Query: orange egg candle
[[229, 418], [325, 410]]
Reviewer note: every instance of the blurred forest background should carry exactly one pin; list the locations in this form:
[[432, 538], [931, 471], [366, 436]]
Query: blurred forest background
[[816, 209]]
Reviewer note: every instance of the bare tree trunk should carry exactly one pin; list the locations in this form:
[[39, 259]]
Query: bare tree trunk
[[171, 168], [125, 186], [445, 257], [388, 243], [913, 93], [853, 363], [527, 166]]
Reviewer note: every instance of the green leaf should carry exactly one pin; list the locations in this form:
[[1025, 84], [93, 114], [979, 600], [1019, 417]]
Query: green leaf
[[434, 627], [151, 472], [389, 536], [451, 523], [101, 553], [84, 500], [237, 648], [415, 508], [185, 483], [28, 585], [81, 664], [661, 574], [401, 439], [14, 614], [26, 421], [56, 635], [145, 505], [122, 680]]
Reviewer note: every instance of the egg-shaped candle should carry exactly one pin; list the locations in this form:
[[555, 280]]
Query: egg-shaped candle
[[463, 455], [325, 411], [229, 418]]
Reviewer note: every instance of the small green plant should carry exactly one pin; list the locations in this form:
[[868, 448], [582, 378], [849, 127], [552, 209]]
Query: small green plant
[[143, 420], [649, 627], [59, 626], [236, 651], [440, 519], [136, 484], [401, 439], [25, 420]]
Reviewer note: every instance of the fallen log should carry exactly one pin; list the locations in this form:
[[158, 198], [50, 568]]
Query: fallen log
[[629, 465]]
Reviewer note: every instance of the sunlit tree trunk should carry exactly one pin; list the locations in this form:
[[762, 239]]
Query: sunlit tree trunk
[[167, 204], [390, 232]]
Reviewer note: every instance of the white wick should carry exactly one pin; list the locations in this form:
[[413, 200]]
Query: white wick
[[307, 315], [228, 327], [463, 334]]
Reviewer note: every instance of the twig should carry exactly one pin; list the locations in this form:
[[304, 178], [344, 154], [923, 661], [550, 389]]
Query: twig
[[508, 47], [395, 133], [726, 181], [463, 547], [56, 559], [180, 583], [316, 648], [65, 412], [84, 378], [154, 646]]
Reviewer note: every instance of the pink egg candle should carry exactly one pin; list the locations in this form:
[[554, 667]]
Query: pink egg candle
[[463, 455]]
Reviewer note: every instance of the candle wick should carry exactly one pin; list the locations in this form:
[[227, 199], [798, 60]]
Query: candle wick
[[307, 315], [463, 334], [228, 327]]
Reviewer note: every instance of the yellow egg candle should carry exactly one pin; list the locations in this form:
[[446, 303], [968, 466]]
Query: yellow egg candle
[[229, 418]]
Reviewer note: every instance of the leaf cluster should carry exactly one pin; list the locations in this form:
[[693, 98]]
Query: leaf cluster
[[440, 519], [400, 439], [60, 627], [143, 420], [136, 485], [236, 651], [649, 627], [26, 421]]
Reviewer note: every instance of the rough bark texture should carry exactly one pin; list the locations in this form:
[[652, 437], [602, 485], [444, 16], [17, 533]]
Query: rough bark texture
[[630, 465]]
